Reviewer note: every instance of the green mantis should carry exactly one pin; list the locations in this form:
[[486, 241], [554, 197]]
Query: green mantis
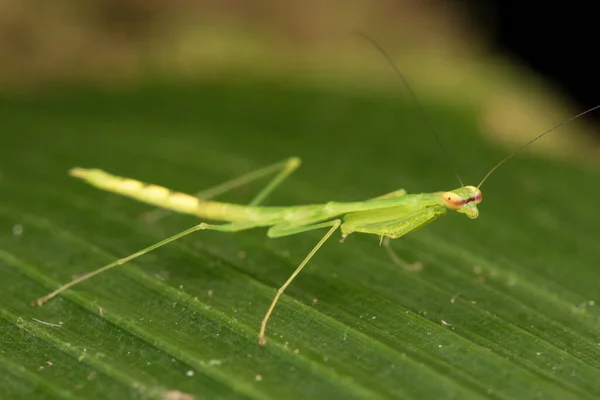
[[389, 216]]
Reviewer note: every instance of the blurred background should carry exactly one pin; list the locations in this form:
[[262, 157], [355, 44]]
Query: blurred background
[[525, 68], [190, 94]]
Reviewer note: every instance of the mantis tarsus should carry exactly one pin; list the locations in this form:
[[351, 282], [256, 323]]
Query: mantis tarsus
[[390, 216]]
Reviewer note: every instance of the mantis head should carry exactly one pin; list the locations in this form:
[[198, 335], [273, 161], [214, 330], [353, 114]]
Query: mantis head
[[464, 200]]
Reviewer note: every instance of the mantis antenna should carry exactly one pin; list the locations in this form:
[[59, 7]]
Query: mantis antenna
[[414, 96], [437, 138], [555, 127]]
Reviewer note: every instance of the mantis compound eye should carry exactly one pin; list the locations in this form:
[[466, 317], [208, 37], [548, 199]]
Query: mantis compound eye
[[452, 200], [478, 197]]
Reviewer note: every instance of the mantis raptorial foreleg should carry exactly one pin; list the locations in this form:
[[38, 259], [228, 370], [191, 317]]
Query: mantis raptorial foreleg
[[285, 168], [386, 241], [283, 230], [397, 223]]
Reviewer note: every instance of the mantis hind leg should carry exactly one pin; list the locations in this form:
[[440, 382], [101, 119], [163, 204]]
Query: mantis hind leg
[[233, 227], [285, 230], [285, 168]]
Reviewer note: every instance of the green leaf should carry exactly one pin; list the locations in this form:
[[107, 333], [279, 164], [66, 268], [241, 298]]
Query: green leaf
[[505, 307]]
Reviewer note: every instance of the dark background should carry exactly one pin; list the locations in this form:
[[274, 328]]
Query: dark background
[[549, 37]]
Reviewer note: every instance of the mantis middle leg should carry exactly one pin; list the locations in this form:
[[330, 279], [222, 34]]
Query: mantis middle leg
[[286, 230]]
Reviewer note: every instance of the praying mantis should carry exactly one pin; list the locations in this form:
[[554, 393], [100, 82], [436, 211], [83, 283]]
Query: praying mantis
[[389, 216]]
